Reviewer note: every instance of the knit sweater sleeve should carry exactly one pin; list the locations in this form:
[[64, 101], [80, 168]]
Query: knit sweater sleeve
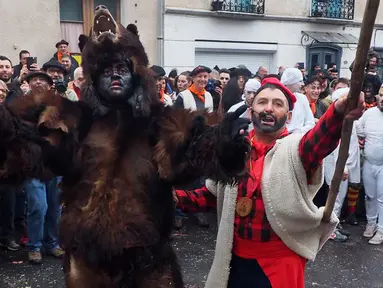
[[196, 200]]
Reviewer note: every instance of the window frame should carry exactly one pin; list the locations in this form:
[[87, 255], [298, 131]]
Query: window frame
[[88, 14]]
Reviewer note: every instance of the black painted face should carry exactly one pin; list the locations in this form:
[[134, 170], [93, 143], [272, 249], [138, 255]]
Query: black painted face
[[115, 84]]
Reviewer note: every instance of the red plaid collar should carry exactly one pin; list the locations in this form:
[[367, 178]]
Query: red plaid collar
[[257, 158]]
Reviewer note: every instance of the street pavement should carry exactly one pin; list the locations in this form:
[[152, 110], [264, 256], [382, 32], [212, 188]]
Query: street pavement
[[354, 264]]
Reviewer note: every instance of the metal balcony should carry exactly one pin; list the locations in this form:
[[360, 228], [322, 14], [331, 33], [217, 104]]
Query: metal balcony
[[239, 6], [335, 9]]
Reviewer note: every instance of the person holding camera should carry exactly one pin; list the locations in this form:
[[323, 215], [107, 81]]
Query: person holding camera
[[43, 197], [27, 64], [57, 72]]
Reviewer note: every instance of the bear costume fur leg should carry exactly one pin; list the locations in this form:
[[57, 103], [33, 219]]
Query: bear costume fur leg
[[166, 275]]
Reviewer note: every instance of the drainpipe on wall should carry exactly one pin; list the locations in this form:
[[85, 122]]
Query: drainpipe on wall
[[160, 32]]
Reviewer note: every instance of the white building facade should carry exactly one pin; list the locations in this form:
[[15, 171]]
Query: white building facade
[[37, 25], [269, 33], [183, 34]]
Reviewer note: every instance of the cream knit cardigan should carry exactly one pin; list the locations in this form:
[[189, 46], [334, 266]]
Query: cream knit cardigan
[[288, 205]]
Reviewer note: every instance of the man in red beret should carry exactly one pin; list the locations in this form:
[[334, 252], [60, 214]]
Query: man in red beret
[[268, 225]]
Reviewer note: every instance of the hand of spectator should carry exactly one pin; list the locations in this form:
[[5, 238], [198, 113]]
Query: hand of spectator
[[23, 72], [24, 87], [35, 67], [316, 120], [218, 90]]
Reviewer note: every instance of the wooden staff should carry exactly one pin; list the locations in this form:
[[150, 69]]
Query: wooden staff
[[357, 79]]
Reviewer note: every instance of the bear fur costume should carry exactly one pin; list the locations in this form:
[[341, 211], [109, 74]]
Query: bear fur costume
[[119, 161]]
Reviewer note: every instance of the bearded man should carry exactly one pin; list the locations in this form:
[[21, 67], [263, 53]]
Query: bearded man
[[268, 225]]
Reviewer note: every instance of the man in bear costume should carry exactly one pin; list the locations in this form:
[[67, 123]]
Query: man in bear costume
[[120, 152]]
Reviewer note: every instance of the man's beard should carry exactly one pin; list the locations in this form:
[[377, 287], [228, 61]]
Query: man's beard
[[257, 120], [5, 78]]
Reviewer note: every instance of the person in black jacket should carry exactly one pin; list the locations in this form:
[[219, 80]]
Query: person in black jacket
[[62, 48], [23, 56]]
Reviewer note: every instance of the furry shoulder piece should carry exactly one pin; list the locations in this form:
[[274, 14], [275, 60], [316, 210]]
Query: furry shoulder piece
[[37, 126]]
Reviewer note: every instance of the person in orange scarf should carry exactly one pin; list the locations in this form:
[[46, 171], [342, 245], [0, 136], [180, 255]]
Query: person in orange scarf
[[196, 97], [313, 90], [62, 48]]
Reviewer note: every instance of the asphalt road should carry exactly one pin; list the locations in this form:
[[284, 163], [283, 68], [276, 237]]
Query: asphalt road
[[354, 264]]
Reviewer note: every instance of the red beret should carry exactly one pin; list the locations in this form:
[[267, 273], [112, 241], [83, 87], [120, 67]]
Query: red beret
[[290, 96]]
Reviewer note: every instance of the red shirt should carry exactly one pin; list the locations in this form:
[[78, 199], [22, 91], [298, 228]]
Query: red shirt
[[255, 228]]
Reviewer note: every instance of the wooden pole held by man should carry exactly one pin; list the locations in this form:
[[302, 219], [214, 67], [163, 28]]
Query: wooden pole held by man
[[357, 79]]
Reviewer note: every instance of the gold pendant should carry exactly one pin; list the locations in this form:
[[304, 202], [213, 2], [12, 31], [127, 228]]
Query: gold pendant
[[244, 206]]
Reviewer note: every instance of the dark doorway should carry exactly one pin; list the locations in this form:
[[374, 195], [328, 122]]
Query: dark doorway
[[323, 54]]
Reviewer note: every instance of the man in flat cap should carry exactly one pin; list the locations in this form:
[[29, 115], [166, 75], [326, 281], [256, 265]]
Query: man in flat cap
[[57, 72], [196, 97], [62, 49]]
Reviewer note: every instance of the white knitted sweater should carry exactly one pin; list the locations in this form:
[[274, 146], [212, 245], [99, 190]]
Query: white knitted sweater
[[288, 204]]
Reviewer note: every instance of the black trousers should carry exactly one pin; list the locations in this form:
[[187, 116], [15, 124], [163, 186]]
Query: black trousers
[[7, 212], [246, 273]]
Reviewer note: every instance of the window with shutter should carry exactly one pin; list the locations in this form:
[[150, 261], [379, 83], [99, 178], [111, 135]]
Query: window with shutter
[[76, 18]]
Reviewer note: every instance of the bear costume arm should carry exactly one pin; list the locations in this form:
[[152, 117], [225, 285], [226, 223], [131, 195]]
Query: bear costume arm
[[190, 146], [40, 136]]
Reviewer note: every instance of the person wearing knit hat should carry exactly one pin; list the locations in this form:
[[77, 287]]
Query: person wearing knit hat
[[251, 88], [302, 118], [268, 226]]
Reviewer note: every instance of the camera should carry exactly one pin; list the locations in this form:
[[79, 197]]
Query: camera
[[61, 86]]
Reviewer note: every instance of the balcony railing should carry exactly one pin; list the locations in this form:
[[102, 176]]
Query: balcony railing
[[338, 9], [241, 6]]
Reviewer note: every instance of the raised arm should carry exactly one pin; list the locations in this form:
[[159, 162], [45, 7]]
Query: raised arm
[[40, 133], [192, 144]]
